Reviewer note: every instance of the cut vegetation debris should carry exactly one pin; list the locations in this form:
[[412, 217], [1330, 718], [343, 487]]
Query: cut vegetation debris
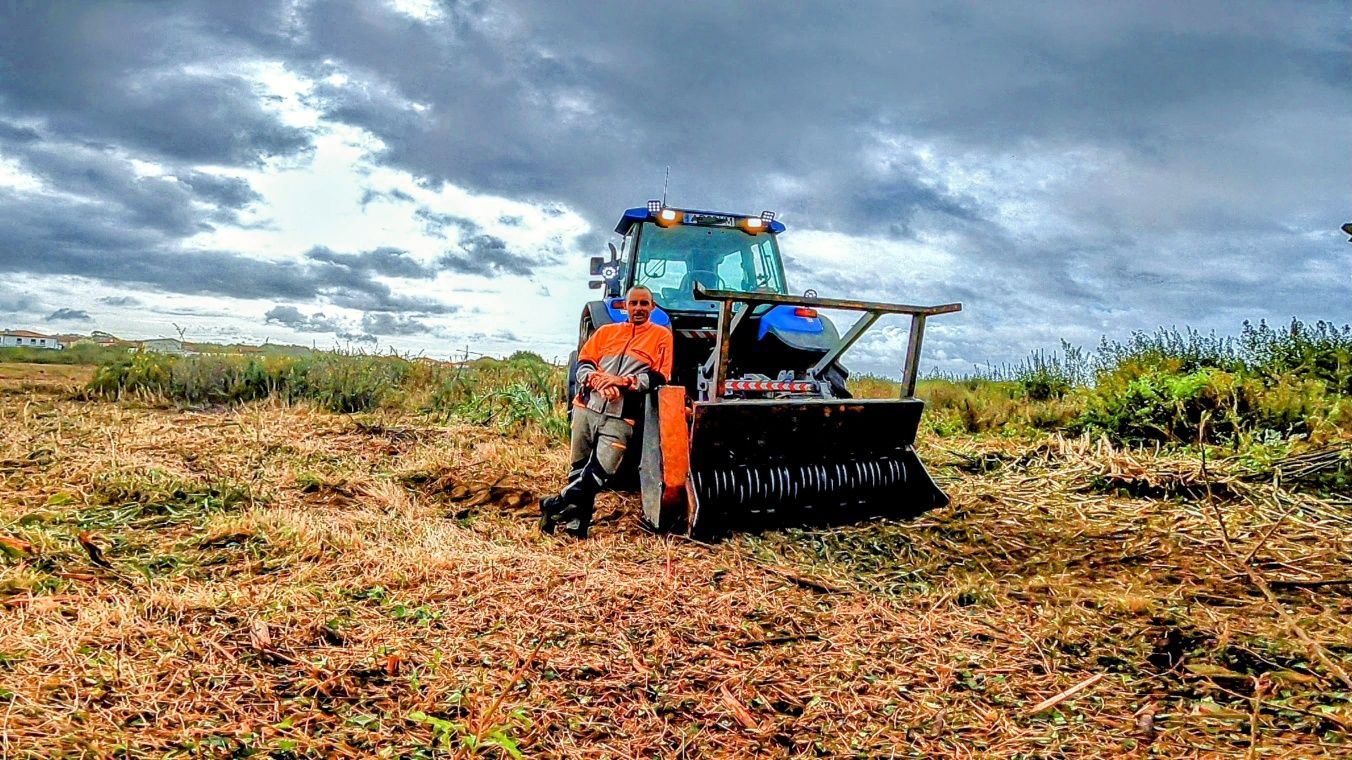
[[196, 577]]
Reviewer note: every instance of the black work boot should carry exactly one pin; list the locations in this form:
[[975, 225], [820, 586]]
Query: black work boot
[[575, 519], [550, 509]]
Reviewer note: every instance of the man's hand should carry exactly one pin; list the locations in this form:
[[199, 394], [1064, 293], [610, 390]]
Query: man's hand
[[603, 380], [608, 385]]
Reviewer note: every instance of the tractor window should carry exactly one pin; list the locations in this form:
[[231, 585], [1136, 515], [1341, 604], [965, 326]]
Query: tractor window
[[672, 259]]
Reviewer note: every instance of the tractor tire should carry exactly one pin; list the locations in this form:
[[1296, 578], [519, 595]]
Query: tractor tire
[[585, 328]]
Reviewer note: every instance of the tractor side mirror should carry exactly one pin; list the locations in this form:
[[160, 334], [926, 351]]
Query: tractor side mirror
[[596, 263], [596, 284]]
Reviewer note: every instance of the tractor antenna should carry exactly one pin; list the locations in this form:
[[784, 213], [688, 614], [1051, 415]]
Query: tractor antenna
[[665, 182]]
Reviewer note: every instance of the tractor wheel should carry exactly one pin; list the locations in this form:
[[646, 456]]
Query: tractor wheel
[[584, 333]]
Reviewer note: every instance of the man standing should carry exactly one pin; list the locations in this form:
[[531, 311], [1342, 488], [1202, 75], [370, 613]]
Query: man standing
[[618, 364]]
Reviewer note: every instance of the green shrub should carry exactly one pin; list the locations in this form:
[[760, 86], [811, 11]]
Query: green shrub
[[205, 379], [338, 383], [1136, 402], [1185, 351], [80, 353], [352, 383], [515, 394], [992, 406], [1323, 351]]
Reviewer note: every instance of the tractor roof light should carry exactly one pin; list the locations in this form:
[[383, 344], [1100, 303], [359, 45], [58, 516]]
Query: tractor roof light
[[752, 225], [767, 216], [654, 207], [669, 217]]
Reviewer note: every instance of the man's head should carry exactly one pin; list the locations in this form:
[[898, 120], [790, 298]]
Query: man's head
[[639, 304]]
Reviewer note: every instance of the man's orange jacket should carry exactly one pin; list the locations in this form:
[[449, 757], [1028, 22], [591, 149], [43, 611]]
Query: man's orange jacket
[[628, 350]]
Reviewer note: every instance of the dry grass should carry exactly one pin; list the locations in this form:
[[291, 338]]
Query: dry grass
[[284, 581], [44, 376]]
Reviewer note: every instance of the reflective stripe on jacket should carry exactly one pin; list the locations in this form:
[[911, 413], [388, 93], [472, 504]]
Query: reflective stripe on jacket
[[627, 350]]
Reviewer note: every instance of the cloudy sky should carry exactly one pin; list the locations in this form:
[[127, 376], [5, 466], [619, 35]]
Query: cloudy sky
[[434, 175]]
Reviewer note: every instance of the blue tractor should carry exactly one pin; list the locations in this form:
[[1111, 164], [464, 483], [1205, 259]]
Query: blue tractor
[[756, 427]]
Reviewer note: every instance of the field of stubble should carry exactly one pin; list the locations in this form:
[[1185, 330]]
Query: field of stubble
[[281, 581]]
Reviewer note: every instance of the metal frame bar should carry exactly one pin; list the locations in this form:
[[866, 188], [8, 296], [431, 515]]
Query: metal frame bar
[[853, 334], [910, 371], [721, 344], [728, 322], [703, 294]]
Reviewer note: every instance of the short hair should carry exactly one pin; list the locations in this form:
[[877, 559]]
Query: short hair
[[643, 288]]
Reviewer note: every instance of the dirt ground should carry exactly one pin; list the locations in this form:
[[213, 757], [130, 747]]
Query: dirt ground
[[286, 582]]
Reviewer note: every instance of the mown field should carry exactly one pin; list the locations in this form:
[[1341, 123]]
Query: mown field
[[1149, 553]]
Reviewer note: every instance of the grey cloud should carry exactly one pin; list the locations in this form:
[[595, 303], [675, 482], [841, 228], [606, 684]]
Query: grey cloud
[[488, 256], [15, 303], [357, 337], [94, 241], [16, 134], [99, 174], [387, 324], [119, 73], [392, 262], [69, 315], [292, 317], [436, 224], [120, 301], [155, 202], [227, 192], [369, 196]]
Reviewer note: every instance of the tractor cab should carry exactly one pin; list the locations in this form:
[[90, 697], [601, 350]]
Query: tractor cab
[[673, 252]]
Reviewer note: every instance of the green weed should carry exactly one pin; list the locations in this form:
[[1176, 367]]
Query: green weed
[[81, 353]]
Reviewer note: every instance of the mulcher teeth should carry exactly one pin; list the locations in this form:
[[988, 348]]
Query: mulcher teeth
[[765, 464]]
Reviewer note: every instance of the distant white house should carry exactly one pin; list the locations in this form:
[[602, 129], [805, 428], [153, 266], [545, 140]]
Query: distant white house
[[165, 346], [28, 339]]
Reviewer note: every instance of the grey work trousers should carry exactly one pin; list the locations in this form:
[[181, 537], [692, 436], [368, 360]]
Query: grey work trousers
[[599, 442]]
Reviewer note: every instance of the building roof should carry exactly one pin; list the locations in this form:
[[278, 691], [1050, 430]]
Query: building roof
[[24, 334]]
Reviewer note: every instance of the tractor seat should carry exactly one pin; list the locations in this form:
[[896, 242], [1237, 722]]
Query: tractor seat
[[705, 277]]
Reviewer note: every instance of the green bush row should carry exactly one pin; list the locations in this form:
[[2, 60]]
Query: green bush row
[[1138, 404], [516, 393], [1169, 386], [1164, 386], [80, 353]]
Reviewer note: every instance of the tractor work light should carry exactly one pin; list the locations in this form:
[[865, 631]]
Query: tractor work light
[[752, 225], [654, 207], [669, 217], [767, 216]]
